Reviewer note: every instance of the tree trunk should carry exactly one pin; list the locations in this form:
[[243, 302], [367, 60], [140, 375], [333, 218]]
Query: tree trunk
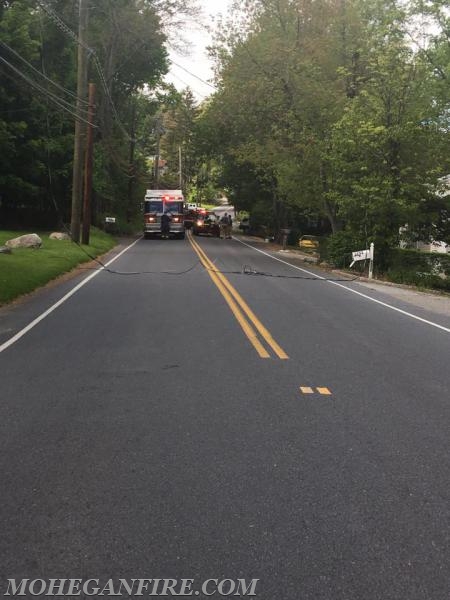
[[330, 208]]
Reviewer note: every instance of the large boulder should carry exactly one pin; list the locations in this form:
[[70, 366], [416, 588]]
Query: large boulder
[[31, 240], [56, 235]]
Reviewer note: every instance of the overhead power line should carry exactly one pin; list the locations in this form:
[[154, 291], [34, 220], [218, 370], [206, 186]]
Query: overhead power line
[[108, 95], [55, 99], [61, 102], [30, 109], [91, 52], [60, 23], [193, 75], [187, 85], [24, 60]]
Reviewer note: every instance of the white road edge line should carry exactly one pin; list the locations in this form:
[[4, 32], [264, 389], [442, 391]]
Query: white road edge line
[[399, 310], [45, 314]]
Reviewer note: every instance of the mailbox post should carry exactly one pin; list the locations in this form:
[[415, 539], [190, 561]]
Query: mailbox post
[[110, 224], [364, 255], [371, 260], [285, 233]]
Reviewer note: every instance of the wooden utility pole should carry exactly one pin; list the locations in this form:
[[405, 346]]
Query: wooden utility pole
[[131, 176], [88, 168], [77, 181], [180, 167], [158, 144], [159, 131]]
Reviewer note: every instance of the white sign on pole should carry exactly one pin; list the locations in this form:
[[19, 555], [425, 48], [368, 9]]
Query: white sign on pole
[[364, 255], [360, 255]]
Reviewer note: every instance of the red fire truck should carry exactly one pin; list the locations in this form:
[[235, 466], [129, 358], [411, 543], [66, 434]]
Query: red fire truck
[[159, 202]]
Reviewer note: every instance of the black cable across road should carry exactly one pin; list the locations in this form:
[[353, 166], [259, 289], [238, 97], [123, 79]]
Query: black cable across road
[[249, 271], [246, 271]]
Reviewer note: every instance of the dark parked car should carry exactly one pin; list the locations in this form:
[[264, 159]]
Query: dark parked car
[[206, 224]]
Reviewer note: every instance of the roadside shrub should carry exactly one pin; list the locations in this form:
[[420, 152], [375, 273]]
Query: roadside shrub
[[125, 228], [410, 267], [121, 226], [261, 219], [339, 247], [406, 260], [424, 269]]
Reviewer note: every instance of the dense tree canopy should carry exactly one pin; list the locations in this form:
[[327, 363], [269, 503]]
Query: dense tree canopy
[[329, 114], [333, 109], [128, 57]]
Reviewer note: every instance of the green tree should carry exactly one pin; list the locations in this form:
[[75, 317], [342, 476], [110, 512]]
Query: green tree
[[333, 110], [179, 122], [129, 41]]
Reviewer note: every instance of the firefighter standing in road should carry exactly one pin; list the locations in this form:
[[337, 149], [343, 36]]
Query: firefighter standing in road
[[225, 226], [222, 224], [229, 227], [165, 225]]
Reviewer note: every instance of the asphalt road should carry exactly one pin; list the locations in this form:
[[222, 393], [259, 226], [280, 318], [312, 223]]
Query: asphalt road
[[143, 435]]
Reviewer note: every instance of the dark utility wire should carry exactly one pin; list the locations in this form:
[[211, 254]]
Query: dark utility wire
[[113, 272], [44, 75], [251, 272], [193, 75], [91, 52], [55, 99]]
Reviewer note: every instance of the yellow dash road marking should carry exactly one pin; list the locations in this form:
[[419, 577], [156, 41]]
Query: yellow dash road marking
[[324, 391], [243, 305], [306, 390]]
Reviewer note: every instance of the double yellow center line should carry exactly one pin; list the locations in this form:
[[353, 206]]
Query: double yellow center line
[[246, 318]]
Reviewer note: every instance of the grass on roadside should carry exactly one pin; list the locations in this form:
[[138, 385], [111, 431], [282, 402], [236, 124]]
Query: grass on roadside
[[26, 269]]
